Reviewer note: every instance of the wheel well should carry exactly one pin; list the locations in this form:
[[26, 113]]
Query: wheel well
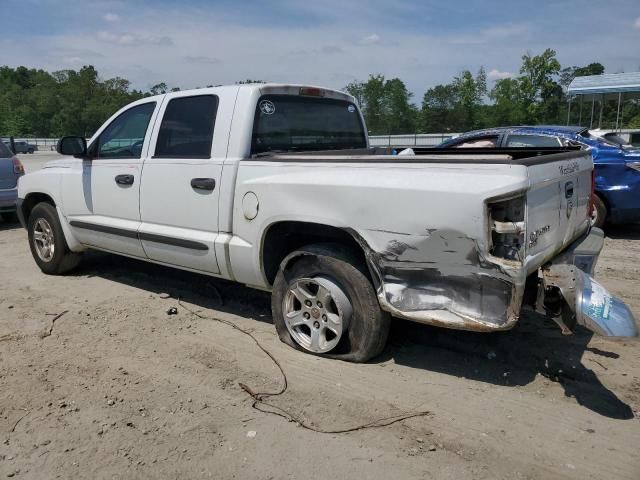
[[282, 238], [603, 199], [31, 200]]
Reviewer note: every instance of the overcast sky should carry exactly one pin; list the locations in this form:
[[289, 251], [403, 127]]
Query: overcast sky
[[329, 42]]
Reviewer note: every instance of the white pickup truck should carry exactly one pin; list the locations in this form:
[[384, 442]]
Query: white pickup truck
[[275, 187]]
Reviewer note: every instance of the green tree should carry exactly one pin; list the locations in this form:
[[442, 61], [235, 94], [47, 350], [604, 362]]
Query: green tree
[[508, 104], [35, 102], [438, 112], [159, 88], [569, 73], [470, 92], [537, 83], [385, 104], [399, 111]]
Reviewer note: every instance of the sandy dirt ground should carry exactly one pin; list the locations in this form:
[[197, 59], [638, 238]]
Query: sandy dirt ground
[[121, 389]]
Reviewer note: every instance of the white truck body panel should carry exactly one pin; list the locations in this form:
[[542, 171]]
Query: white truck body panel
[[423, 223]]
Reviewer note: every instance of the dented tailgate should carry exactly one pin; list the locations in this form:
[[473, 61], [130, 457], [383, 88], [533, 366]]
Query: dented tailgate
[[557, 204]]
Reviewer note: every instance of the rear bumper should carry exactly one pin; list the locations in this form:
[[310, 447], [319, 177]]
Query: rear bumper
[[8, 200], [584, 252], [594, 307]]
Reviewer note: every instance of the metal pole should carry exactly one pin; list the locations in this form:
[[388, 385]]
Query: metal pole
[[593, 106], [621, 111], [569, 112], [618, 114], [580, 115], [601, 109]]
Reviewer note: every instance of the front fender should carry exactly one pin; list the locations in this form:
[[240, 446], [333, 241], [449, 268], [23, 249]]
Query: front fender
[[46, 182]]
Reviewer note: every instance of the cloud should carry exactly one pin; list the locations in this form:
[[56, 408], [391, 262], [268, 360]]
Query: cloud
[[201, 59], [317, 43], [130, 39], [110, 17], [637, 23], [496, 74], [73, 60], [372, 39], [510, 30], [331, 49]]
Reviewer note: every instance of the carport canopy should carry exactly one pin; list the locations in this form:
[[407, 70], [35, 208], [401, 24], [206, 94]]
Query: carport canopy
[[608, 86]]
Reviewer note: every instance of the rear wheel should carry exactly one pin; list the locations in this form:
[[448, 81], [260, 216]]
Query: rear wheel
[[599, 212], [323, 303], [46, 240]]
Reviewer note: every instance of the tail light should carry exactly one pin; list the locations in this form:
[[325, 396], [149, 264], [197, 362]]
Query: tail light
[[18, 168], [592, 198], [311, 92], [506, 218]]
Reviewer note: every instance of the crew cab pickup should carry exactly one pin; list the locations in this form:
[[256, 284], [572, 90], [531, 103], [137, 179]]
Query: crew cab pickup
[[275, 187]]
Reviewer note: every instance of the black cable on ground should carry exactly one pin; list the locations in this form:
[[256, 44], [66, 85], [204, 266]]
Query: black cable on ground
[[259, 398]]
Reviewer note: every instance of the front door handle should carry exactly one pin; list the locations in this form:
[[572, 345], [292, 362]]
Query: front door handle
[[124, 179], [203, 184]]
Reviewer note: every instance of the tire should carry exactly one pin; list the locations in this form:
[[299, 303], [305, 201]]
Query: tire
[[364, 326], [599, 212], [44, 223]]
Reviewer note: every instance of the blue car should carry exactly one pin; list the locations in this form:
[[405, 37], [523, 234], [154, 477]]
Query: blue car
[[617, 168], [10, 170]]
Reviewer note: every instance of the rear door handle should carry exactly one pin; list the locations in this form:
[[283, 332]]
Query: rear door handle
[[124, 179], [203, 184]]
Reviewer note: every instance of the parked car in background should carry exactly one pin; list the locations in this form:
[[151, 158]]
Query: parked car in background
[[10, 170], [24, 147], [625, 139], [617, 167]]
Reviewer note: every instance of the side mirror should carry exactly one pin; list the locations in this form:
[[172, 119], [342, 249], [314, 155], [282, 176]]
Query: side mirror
[[72, 145]]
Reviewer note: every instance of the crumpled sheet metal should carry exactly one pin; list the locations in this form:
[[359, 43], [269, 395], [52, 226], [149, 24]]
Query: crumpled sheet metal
[[440, 278]]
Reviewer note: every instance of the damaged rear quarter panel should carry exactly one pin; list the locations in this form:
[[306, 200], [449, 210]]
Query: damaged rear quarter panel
[[423, 228]]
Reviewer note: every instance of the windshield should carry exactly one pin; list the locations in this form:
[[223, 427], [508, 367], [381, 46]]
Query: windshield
[[290, 123], [603, 140], [617, 139]]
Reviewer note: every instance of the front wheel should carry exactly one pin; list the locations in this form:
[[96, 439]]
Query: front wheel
[[46, 240], [323, 303]]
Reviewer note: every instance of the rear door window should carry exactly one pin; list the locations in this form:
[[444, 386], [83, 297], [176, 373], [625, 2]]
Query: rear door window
[[187, 127], [540, 141]]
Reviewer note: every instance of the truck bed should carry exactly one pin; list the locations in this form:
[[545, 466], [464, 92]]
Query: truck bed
[[450, 235], [517, 156]]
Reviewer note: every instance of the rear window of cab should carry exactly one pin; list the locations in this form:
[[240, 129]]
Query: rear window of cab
[[285, 123]]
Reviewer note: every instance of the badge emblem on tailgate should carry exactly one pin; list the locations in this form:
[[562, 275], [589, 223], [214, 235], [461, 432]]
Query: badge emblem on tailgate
[[536, 234]]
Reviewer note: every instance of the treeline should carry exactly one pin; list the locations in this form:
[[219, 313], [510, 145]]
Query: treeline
[[41, 104], [37, 103], [536, 96]]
